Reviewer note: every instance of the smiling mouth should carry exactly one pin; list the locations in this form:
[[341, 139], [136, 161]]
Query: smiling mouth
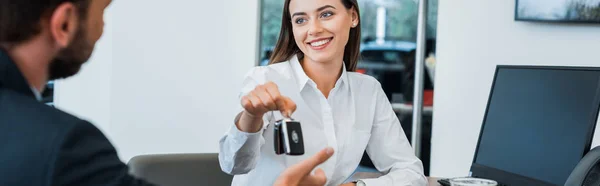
[[320, 43]]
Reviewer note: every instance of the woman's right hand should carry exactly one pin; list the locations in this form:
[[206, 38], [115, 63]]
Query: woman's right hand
[[262, 99]]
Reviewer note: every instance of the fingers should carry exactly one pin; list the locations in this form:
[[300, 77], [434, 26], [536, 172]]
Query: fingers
[[320, 173], [318, 178], [280, 101], [246, 103], [306, 166], [318, 158], [266, 98], [300, 173], [273, 90], [288, 107], [258, 101], [258, 106]]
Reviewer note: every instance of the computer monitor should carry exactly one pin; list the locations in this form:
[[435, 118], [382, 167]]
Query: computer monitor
[[539, 123]]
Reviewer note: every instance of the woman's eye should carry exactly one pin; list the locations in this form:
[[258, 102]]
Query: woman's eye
[[326, 14], [300, 20]]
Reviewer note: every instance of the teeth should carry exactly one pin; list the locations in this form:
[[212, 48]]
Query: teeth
[[319, 43]]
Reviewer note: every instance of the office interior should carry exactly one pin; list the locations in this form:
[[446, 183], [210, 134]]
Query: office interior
[[166, 78]]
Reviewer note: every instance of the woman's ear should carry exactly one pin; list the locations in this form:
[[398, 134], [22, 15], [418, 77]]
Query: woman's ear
[[354, 15]]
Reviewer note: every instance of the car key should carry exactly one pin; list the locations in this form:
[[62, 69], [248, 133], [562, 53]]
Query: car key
[[288, 137]]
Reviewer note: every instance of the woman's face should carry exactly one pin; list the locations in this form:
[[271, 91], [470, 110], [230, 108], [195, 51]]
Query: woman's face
[[321, 28]]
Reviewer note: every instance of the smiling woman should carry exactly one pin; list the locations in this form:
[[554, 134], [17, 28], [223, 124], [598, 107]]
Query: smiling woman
[[311, 79], [299, 35], [392, 21]]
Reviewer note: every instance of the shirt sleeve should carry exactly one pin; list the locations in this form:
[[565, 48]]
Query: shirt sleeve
[[87, 157], [239, 151], [390, 150]]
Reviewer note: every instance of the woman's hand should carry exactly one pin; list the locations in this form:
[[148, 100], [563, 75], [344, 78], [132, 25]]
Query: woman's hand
[[300, 174], [262, 99]]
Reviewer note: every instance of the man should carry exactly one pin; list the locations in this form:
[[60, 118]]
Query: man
[[43, 40]]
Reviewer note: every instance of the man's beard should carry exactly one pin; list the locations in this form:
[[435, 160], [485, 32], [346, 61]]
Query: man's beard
[[70, 59]]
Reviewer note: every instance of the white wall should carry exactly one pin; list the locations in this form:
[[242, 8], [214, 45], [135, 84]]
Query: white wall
[[177, 69], [473, 37], [175, 72]]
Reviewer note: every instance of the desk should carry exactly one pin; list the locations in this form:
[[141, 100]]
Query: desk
[[365, 175]]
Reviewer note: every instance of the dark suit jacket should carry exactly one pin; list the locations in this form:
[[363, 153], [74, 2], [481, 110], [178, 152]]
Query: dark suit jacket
[[43, 146]]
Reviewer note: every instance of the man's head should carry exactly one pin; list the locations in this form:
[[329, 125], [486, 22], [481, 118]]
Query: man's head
[[67, 29]]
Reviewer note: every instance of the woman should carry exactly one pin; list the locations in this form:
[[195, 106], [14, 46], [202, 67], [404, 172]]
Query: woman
[[312, 70]]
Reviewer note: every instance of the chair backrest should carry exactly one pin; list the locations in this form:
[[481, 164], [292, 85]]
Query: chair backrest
[[180, 169], [587, 171]]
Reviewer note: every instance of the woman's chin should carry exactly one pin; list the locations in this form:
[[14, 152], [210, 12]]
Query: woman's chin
[[320, 58]]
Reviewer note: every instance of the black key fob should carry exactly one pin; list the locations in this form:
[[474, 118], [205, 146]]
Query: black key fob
[[288, 138]]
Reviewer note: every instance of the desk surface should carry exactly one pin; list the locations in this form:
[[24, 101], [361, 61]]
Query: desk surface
[[364, 175]]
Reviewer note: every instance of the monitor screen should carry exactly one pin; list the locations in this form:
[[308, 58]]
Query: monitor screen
[[539, 121]]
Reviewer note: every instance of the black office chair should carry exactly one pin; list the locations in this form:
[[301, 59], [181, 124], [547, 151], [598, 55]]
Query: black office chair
[[587, 171], [180, 169]]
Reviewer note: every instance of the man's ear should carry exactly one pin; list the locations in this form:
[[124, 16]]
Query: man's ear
[[64, 24]]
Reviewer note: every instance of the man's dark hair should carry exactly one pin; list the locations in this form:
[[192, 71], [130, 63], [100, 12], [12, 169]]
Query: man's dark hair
[[20, 19]]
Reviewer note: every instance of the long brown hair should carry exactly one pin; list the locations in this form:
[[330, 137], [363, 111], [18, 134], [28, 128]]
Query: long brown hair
[[286, 46]]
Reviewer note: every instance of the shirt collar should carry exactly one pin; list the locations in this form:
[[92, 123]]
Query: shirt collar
[[37, 94], [302, 79]]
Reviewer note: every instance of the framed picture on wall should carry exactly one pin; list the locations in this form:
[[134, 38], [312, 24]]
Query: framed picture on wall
[[573, 11]]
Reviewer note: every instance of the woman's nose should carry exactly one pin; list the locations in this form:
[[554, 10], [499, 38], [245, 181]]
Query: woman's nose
[[315, 28]]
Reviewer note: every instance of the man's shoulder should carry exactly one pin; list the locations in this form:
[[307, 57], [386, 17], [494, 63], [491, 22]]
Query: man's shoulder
[[24, 117], [36, 135], [22, 110]]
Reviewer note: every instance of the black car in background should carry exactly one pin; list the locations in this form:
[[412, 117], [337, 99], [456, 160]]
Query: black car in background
[[389, 62]]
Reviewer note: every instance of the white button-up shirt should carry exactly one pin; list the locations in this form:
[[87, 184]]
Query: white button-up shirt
[[356, 116]]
